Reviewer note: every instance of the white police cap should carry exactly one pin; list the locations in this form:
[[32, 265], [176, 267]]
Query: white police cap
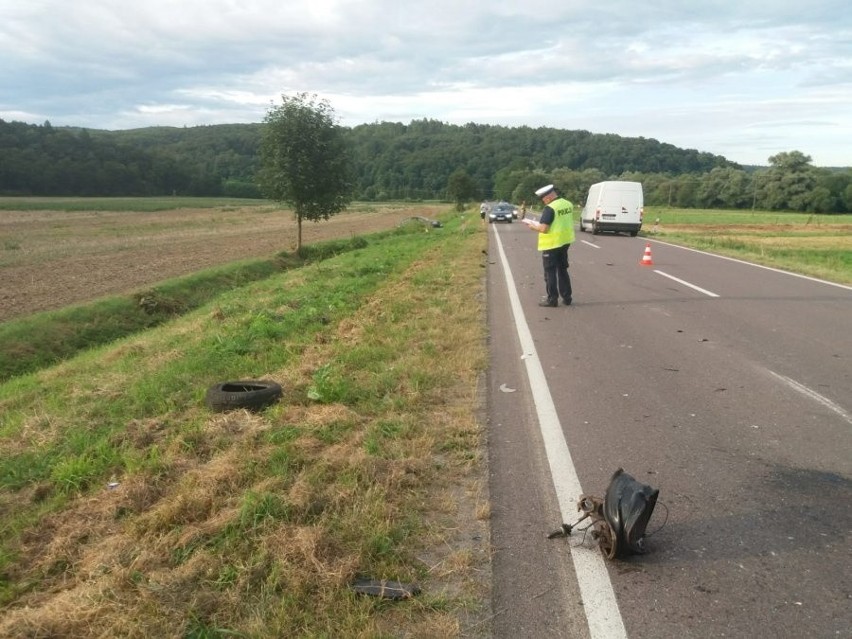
[[544, 190]]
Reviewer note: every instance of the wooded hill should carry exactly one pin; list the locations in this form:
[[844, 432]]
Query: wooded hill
[[390, 161]]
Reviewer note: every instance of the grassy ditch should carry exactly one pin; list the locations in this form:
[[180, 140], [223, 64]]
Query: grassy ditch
[[816, 245], [40, 340], [130, 509]]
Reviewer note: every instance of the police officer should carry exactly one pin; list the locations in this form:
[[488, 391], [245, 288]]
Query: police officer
[[556, 232]]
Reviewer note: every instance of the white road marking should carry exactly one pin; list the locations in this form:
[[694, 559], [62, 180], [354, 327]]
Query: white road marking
[[586, 242], [767, 268], [599, 603], [685, 283], [807, 392]]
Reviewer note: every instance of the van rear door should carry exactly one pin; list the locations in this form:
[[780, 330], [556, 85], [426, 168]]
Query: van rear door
[[618, 207]]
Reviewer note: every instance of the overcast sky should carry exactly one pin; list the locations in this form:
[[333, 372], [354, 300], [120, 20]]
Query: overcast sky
[[741, 78]]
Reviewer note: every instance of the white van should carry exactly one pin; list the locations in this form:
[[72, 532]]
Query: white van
[[613, 206]]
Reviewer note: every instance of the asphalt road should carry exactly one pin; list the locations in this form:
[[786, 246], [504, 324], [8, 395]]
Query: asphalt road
[[728, 388]]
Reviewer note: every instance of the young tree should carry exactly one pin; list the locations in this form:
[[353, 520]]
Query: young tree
[[304, 159], [462, 188]]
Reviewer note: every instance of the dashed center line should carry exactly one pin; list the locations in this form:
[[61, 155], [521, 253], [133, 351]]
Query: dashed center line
[[685, 283], [812, 394]]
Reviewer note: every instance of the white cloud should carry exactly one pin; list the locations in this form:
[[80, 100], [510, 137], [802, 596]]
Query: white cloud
[[745, 80]]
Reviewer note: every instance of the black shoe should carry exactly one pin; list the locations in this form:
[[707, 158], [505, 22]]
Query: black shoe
[[567, 301], [547, 302]]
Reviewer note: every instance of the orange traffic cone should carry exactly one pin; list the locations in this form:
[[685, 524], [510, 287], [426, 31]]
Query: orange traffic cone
[[646, 259]]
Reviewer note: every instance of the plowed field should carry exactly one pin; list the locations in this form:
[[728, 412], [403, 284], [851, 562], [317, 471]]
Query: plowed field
[[53, 259]]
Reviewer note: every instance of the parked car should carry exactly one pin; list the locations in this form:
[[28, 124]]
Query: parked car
[[501, 212]]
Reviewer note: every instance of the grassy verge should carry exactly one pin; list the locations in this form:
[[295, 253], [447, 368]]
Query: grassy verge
[[129, 509], [816, 245]]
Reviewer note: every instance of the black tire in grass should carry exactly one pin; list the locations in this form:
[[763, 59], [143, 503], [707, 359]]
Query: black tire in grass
[[248, 394]]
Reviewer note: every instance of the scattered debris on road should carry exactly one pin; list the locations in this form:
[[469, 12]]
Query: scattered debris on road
[[385, 588]]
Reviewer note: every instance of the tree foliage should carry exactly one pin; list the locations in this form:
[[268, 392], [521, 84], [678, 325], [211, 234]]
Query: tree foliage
[[724, 188], [394, 161], [304, 159], [462, 188]]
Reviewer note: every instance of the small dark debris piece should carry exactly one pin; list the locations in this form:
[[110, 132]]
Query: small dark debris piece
[[562, 532], [435, 224], [384, 588]]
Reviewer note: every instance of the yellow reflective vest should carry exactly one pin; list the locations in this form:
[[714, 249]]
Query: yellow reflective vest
[[561, 231]]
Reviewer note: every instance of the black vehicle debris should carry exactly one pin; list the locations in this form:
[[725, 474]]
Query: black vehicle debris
[[619, 520]]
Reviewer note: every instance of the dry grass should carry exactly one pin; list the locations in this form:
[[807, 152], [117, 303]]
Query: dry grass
[[255, 524], [825, 235], [795, 242]]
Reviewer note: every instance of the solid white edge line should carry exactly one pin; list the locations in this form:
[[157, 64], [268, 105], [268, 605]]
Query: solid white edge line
[[807, 392], [599, 603], [767, 268], [685, 283]]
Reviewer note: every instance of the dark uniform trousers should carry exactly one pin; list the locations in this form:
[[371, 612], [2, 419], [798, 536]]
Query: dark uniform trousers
[[557, 282]]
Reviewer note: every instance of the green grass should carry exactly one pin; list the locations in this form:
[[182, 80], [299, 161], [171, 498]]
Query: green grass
[[253, 524], [816, 245], [40, 340], [723, 217]]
